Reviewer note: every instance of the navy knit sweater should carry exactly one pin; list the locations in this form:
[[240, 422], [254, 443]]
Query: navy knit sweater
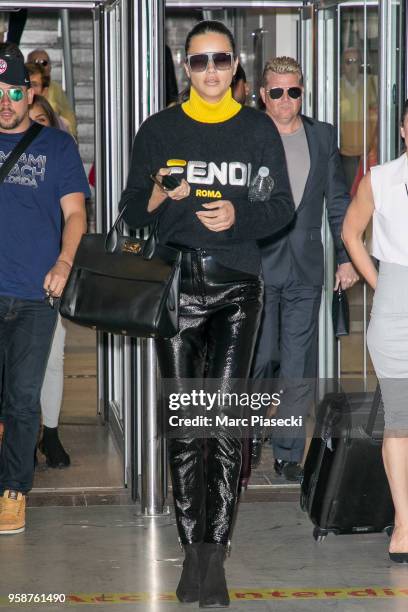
[[218, 160]]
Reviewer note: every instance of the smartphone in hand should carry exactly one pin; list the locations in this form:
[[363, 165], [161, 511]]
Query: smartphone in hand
[[168, 182]]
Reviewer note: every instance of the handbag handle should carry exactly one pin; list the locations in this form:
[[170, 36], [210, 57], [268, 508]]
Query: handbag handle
[[112, 239]]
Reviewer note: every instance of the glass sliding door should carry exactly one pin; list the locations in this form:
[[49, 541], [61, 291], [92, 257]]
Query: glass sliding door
[[325, 88], [361, 89], [112, 155], [357, 118]]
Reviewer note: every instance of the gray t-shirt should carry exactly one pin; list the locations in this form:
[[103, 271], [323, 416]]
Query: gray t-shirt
[[298, 161]]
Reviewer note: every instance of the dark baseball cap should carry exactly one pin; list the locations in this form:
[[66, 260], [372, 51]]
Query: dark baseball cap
[[13, 71]]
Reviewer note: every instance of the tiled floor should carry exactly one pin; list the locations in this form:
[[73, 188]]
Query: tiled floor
[[95, 461], [80, 392], [275, 565], [97, 464]]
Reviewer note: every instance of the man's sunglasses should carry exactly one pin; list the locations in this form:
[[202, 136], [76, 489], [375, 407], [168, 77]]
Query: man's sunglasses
[[41, 62], [15, 94], [222, 60], [277, 92]]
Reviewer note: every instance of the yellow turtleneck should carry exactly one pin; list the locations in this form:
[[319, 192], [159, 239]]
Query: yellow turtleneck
[[206, 112]]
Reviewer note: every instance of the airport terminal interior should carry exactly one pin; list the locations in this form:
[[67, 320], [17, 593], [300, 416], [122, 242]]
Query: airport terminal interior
[[102, 531]]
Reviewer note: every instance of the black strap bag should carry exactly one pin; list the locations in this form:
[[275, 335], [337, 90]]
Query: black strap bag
[[340, 313], [123, 285]]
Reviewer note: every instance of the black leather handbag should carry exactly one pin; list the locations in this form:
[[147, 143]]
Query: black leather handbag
[[124, 286], [340, 313]]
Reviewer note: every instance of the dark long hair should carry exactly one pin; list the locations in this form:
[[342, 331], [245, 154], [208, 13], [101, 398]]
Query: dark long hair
[[205, 27], [47, 108]]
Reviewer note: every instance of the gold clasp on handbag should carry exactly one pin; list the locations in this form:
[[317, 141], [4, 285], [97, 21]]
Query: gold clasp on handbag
[[131, 247]]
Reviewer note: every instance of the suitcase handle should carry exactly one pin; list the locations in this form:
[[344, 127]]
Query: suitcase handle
[[326, 431], [374, 411]]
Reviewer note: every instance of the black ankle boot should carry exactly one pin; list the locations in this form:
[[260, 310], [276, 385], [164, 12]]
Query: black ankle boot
[[51, 447], [213, 586], [188, 587]]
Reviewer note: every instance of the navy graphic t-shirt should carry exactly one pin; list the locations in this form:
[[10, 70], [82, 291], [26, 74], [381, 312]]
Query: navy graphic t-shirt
[[30, 209]]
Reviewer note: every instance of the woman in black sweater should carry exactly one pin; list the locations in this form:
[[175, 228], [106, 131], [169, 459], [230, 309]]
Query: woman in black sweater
[[215, 146]]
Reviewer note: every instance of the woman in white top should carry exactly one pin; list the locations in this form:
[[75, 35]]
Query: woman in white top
[[383, 196]]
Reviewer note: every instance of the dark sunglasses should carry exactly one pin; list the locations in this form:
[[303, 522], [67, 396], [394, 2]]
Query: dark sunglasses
[[222, 60], [42, 62], [277, 92], [14, 94], [351, 60]]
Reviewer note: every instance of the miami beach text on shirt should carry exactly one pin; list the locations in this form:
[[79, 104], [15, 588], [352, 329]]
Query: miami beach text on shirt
[[27, 171]]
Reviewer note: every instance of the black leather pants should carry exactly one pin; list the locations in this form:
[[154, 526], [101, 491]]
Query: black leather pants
[[220, 310]]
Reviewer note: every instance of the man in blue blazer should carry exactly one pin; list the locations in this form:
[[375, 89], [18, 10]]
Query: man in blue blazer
[[293, 262]]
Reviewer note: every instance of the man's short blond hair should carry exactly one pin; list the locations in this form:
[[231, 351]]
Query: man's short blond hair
[[282, 65]]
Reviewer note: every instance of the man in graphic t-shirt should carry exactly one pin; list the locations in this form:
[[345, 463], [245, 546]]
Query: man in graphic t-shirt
[[47, 184]]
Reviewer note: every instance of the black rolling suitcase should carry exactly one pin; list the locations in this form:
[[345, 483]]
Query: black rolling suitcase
[[345, 489]]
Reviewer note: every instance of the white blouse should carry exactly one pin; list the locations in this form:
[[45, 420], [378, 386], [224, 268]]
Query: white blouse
[[389, 184]]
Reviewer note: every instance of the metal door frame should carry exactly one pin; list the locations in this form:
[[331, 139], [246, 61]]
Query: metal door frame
[[331, 367], [142, 69], [57, 4], [232, 4]]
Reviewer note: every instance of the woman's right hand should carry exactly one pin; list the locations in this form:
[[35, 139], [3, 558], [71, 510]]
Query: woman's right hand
[[179, 193], [159, 195]]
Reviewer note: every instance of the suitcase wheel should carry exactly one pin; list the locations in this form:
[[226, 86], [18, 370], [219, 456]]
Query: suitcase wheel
[[319, 534]]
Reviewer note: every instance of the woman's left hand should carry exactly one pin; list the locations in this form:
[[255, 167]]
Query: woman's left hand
[[219, 216], [346, 276]]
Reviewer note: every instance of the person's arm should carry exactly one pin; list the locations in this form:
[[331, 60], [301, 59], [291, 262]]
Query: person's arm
[[356, 220], [337, 201], [337, 197], [73, 208]]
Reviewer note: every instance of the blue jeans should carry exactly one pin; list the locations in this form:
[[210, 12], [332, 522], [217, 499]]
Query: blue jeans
[[26, 330]]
